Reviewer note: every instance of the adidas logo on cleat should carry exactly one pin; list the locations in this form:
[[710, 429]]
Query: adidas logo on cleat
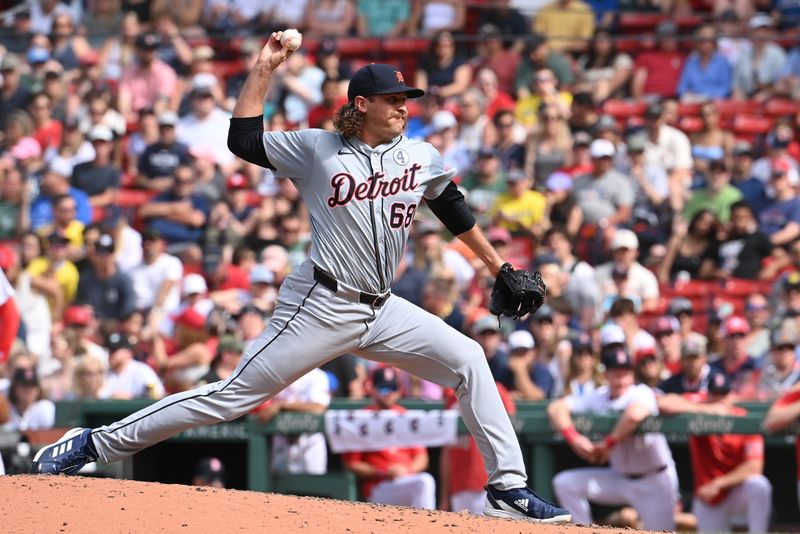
[[522, 503]]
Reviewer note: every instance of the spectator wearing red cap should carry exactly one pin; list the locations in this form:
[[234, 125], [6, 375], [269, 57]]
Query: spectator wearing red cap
[[734, 361], [666, 331], [81, 327], [648, 367]]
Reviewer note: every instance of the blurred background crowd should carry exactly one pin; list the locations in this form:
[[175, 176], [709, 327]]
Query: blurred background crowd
[[642, 154]]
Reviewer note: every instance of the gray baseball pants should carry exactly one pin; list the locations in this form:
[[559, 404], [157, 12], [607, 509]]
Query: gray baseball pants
[[310, 326]]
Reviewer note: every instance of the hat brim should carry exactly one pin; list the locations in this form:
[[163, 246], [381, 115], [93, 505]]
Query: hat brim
[[411, 92]]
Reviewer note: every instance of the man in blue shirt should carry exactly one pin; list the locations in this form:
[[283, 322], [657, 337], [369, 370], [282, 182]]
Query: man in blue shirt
[[528, 379], [706, 73], [780, 219], [179, 214], [55, 182]]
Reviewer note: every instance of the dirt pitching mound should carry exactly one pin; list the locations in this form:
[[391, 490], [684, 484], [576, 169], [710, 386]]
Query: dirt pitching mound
[[40, 504]]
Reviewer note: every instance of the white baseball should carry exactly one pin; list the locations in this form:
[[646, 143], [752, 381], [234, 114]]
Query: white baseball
[[291, 39]]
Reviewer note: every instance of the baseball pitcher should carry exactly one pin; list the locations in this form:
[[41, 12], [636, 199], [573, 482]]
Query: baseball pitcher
[[362, 186]]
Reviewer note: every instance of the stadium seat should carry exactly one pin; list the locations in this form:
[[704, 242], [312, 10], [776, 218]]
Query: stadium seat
[[624, 109], [358, 46], [750, 126], [780, 107], [732, 108], [402, 45], [687, 23], [690, 124], [633, 45], [690, 289], [737, 287], [639, 22], [689, 109]]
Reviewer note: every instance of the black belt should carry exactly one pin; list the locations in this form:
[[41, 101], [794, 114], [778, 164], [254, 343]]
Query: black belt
[[637, 476], [373, 299]]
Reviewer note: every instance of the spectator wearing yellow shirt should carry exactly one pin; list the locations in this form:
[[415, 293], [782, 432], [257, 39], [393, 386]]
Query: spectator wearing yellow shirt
[[520, 210], [54, 275], [544, 91], [568, 24], [65, 223]]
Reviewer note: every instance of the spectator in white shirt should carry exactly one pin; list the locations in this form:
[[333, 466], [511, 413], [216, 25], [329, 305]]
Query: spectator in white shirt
[[29, 409], [623, 276], [156, 280], [307, 453], [128, 378], [207, 126]]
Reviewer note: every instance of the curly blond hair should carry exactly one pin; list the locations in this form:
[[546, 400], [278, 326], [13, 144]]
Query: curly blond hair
[[348, 120]]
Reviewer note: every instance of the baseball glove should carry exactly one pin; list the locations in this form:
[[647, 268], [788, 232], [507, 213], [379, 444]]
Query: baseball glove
[[516, 293]]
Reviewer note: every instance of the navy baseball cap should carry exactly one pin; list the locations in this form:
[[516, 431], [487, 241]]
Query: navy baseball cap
[[380, 79], [719, 383], [384, 380], [615, 356]]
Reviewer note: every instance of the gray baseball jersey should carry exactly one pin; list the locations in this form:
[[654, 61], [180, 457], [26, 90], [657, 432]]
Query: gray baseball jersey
[[362, 201]]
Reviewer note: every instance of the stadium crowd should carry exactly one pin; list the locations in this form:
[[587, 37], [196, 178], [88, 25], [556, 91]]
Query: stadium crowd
[[643, 155]]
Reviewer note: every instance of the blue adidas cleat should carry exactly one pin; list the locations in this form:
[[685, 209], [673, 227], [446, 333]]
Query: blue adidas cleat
[[67, 455], [523, 503]]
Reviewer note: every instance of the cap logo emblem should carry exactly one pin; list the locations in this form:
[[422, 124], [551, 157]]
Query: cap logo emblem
[[621, 358], [399, 76]]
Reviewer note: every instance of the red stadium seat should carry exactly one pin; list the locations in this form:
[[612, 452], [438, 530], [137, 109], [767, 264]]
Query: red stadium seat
[[687, 23], [639, 22], [403, 45], [690, 289], [624, 109], [751, 125], [737, 287], [732, 108], [633, 45], [133, 198], [780, 107], [690, 124], [689, 109], [358, 46]]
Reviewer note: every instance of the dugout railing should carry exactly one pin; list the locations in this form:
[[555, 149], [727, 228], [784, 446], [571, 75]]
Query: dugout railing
[[245, 444]]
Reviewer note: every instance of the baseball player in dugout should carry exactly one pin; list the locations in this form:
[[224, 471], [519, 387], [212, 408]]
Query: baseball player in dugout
[[362, 185], [641, 471], [393, 475], [726, 468]]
